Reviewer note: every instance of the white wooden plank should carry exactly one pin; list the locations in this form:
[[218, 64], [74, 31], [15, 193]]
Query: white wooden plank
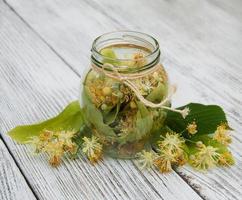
[[36, 84], [12, 183], [202, 42]]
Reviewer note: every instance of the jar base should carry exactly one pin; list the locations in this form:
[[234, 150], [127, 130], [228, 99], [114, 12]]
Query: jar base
[[126, 151]]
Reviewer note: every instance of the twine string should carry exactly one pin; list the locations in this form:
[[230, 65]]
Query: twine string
[[127, 80]]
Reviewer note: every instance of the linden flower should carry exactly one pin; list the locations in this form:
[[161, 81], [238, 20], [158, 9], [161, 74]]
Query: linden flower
[[172, 143], [92, 149], [66, 138], [139, 59], [146, 159], [205, 158], [55, 144], [45, 135], [226, 159], [222, 135], [65, 135], [146, 87], [164, 161], [192, 128], [55, 161], [55, 151], [101, 92], [181, 160], [157, 76], [185, 112], [36, 144]]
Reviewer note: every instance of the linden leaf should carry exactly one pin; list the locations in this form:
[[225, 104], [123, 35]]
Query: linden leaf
[[207, 118], [109, 53], [111, 116], [94, 117], [71, 118], [110, 56], [144, 120], [158, 93], [143, 125]]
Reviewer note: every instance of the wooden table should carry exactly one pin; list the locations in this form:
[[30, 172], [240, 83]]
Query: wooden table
[[44, 48]]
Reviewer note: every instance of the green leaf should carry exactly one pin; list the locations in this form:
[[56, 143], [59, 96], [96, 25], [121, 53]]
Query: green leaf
[[158, 122], [207, 118], [110, 117], [70, 118], [94, 117], [110, 56], [109, 53], [144, 120], [158, 93], [143, 125]]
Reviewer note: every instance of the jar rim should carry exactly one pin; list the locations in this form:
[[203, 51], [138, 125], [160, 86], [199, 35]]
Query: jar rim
[[156, 46]]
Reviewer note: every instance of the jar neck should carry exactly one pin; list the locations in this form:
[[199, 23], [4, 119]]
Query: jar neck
[[147, 54]]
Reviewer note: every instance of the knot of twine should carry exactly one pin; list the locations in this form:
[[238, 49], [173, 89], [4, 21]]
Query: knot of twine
[[127, 80]]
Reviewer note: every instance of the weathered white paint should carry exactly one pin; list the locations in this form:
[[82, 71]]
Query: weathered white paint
[[12, 183], [36, 84]]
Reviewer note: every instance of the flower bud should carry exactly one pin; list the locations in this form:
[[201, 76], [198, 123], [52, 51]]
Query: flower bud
[[104, 106], [132, 105], [107, 91], [120, 95], [199, 144]]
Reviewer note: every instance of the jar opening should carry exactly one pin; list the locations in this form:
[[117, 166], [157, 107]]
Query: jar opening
[[126, 50]]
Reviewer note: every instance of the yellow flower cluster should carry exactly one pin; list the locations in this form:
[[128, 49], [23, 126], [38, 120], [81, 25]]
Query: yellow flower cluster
[[170, 153], [126, 123], [146, 159], [226, 159], [102, 94], [222, 135], [148, 83], [172, 143], [92, 149], [209, 156], [192, 128], [107, 92], [138, 60], [55, 144], [206, 157]]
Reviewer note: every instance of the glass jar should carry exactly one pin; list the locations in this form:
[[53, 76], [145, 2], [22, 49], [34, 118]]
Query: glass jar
[[121, 89]]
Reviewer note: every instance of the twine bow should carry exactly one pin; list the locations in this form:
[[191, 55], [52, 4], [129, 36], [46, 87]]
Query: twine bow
[[127, 80]]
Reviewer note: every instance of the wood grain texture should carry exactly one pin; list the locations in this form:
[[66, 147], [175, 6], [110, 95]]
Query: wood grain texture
[[202, 43], [12, 184], [37, 84]]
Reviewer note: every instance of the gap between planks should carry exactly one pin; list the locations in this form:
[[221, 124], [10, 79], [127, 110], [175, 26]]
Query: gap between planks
[[14, 185]]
